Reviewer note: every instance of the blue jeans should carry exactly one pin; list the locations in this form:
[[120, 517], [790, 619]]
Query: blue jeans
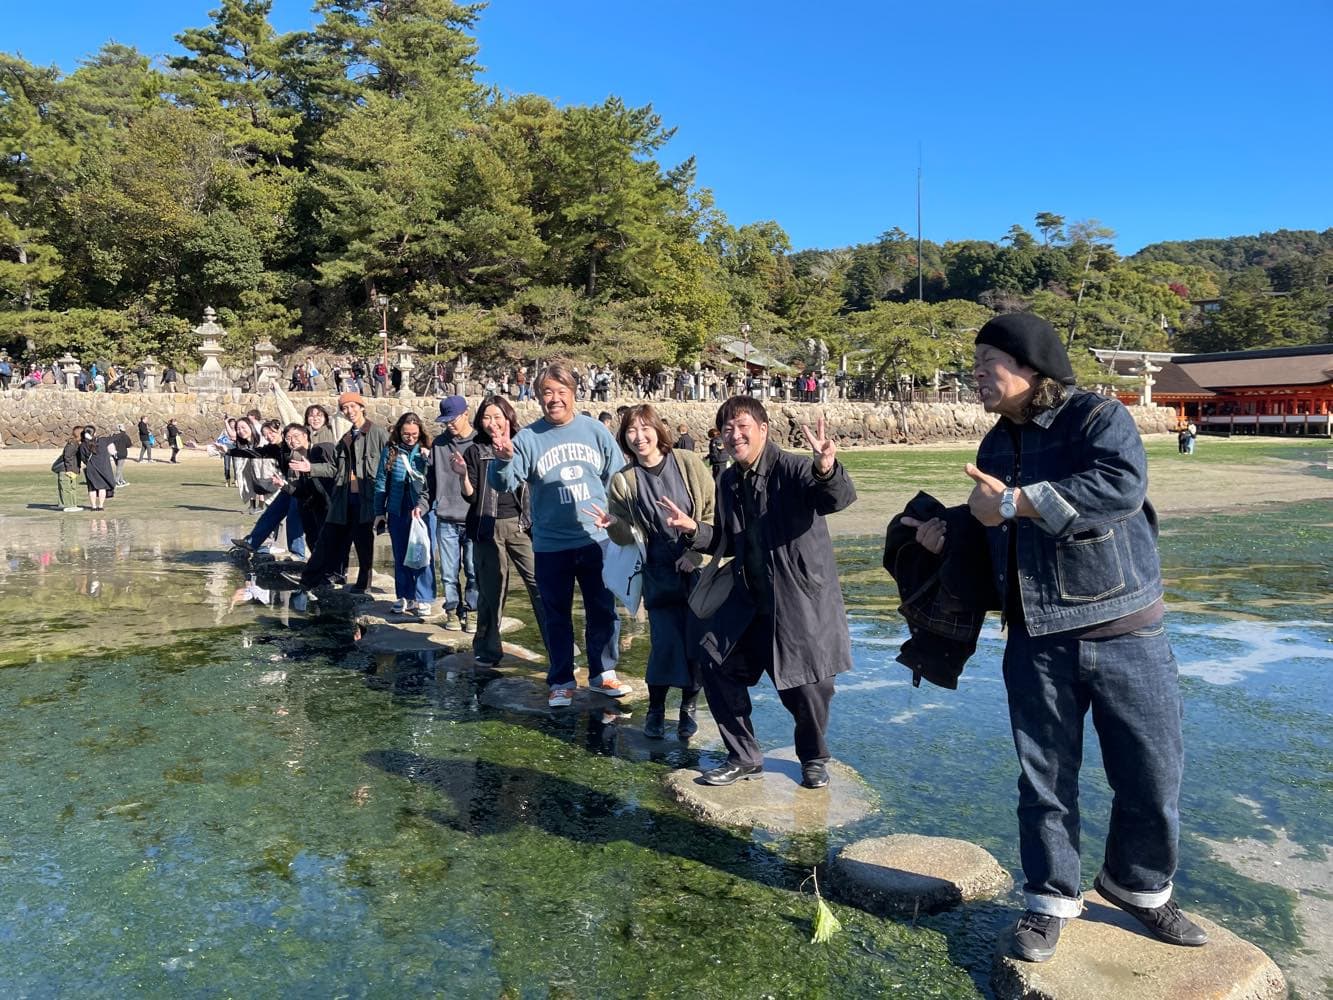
[[453, 549], [409, 584], [556, 574], [283, 506], [1130, 683], [524, 392]]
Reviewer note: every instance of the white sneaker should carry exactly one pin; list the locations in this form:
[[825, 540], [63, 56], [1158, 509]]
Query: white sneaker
[[400, 606], [71, 510], [559, 698], [423, 608]]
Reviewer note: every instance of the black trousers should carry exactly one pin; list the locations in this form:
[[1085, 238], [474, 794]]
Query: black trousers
[[334, 546], [727, 689]]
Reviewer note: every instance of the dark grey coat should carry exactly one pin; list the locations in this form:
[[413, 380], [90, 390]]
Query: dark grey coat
[[810, 640], [361, 454]]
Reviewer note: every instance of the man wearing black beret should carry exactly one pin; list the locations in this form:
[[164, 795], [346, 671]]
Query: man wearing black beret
[[1061, 488]]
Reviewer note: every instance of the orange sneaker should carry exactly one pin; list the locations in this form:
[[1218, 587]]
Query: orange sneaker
[[612, 687]]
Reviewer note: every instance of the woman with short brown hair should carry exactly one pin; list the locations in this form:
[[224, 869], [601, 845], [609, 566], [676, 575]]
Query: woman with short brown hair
[[660, 482]]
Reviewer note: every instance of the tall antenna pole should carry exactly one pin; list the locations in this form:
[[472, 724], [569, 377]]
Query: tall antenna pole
[[920, 293]]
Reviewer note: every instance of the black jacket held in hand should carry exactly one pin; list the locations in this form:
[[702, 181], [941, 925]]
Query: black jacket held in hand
[[944, 597], [807, 616]]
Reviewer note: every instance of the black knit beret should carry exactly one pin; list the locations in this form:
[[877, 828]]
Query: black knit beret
[[1032, 342]]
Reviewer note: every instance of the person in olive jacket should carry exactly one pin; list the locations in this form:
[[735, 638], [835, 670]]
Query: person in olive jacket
[[784, 616], [350, 521]]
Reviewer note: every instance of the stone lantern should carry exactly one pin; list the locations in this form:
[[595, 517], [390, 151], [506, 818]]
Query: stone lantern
[[403, 352], [460, 375], [1147, 369], [69, 364], [151, 371], [211, 377], [267, 370]]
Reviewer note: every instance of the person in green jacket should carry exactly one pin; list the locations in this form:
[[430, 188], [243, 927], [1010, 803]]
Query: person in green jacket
[[66, 468], [659, 481]]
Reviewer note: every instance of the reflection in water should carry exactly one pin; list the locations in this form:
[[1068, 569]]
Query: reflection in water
[[88, 583], [283, 813]]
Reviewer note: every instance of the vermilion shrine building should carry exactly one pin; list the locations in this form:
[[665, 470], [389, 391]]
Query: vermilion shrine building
[[1284, 390]]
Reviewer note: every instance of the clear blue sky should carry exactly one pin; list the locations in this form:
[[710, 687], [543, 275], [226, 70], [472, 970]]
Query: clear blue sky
[[1165, 120]]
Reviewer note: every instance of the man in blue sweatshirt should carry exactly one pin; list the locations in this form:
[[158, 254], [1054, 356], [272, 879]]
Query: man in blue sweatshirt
[[567, 460]]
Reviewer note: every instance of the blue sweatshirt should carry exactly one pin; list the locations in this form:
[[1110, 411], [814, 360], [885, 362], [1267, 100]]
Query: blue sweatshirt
[[568, 469]]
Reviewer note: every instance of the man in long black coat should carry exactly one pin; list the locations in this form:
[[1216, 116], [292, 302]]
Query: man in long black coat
[[785, 615]]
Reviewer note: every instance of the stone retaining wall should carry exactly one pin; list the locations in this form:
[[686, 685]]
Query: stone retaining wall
[[44, 416]]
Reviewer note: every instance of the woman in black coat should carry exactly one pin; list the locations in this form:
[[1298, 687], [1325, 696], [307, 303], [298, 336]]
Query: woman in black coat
[[97, 457]]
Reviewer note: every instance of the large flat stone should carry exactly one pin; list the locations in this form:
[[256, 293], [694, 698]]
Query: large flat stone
[[907, 873], [633, 745], [777, 801], [528, 695], [407, 637], [1106, 955]]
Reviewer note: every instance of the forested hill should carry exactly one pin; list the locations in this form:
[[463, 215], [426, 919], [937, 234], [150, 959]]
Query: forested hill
[[295, 181], [1285, 261]]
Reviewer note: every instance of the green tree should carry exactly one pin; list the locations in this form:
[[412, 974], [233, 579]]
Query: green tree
[[234, 80], [609, 198], [1051, 227]]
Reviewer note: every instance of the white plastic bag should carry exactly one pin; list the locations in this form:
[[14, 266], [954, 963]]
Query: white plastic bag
[[622, 570], [418, 545]]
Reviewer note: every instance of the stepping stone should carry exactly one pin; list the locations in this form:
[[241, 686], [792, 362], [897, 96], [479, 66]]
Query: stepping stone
[[907, 873], [528, 695], [521, 652], [1106, 954], [633, 745], [463, 661], [405, 637], [508, 624], [338, 600], [777, 801]]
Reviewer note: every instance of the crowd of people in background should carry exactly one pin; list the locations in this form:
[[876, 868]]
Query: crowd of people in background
[[101, 458], [734, 567]]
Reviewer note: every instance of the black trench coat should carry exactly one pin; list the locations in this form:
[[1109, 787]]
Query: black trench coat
[[810, 640]]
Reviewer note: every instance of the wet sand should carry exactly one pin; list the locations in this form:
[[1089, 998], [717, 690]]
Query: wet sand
[[1178, 486]]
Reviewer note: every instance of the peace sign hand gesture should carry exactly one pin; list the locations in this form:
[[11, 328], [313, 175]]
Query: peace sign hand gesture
[[600, 518], [503, 445], [824, 447], [677, 518]]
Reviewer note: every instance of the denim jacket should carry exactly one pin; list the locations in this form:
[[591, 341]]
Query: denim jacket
[[1091, 556], [408, 472]]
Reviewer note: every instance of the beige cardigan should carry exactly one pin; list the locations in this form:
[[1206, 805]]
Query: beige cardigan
[[623, 495]]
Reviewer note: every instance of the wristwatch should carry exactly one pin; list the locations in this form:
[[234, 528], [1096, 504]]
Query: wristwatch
[[1008, 507]]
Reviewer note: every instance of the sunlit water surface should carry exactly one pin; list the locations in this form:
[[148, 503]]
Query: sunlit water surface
[[209, 792]]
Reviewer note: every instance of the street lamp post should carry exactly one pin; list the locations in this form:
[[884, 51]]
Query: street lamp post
[[383, 302]]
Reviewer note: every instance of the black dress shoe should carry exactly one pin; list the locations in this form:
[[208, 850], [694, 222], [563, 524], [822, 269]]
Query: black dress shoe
[[814, 774], [1166, 922], [729, 773]]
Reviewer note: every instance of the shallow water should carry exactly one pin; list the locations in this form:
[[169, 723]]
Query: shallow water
[[212, 794]]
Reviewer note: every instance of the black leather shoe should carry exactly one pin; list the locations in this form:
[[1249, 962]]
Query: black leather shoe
[[729, 773], [1166, 922], [814, 774], [654, 723]]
